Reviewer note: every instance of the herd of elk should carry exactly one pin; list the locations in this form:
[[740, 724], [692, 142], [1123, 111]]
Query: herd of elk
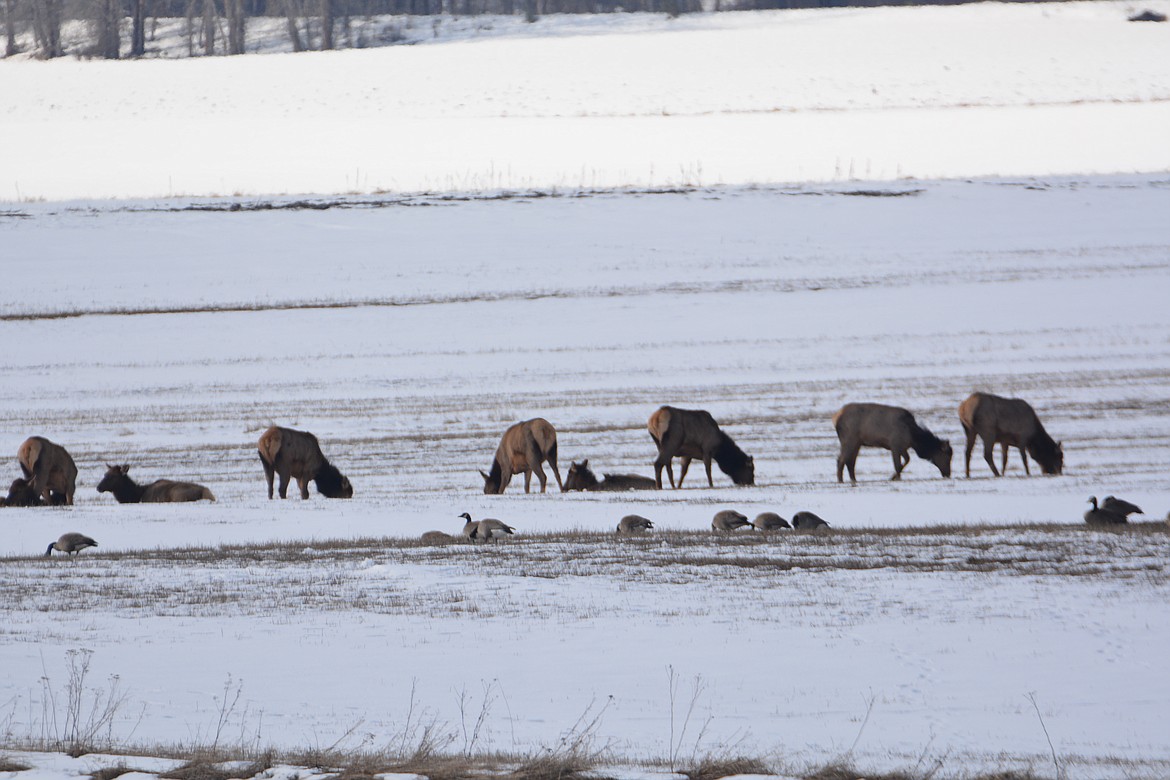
[[50, 475]]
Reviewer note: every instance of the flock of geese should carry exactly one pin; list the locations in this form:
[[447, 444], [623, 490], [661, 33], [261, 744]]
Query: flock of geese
[[1110, 512]]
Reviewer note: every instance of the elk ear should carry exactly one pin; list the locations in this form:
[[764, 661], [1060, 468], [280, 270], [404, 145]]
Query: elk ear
[[485, 476], [125, 468], [585, 463]]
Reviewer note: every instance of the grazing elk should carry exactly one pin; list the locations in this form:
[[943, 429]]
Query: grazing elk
[[890, 427], [1010, 422], [581, 477], [523, 447], [297, 454], [48, 467], [692, 434], [162, 491]]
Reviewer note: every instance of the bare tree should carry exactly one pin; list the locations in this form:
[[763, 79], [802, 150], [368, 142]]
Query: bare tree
[[326, 25], [237, 25], [137, 28], [107, 37], [46, 19], [10, 27], [294, 33]]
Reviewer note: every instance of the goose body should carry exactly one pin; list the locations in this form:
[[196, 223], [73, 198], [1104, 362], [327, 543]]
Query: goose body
[[483, 530], [1121, 507], [728, 520], [633, 524], [70, 543], [769, 521], [1102, 516], [807, 520]]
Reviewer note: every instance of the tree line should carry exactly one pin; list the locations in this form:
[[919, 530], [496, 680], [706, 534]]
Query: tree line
[[120, 28]]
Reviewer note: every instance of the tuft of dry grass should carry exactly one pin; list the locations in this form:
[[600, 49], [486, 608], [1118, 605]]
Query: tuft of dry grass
[[846, 772], [112, 772], [715, 768], [203, 767], [8, 765]]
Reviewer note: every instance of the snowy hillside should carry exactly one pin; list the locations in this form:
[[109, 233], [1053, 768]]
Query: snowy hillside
[[568, 103]]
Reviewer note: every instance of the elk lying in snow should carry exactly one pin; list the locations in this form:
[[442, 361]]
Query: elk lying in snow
[[1010, 422], [297, 454], [47, 467], [21, 493], [890, 427], [695, 434], [581, 477], [117, 481], [523, 447]]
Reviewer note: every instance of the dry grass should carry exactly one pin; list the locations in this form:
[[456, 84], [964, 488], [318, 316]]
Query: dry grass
[[8, 765], [715, 768]]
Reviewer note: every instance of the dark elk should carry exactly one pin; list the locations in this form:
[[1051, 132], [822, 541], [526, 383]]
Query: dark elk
[[1009, 422], [691, 434], [523, 448], [21, 493], [892, 428], [117, 481], [297, 455], [581, 477], [48, 467]]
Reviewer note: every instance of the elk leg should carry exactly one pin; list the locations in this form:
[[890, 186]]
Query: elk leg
[[303, 484], [898, 465], [541, 476], [989, 455], [970, 446], [686, 464], [1005, 448], [268, 475], [707, 463], [527, 480], [552, 461], [1024, 457], [284, 480]]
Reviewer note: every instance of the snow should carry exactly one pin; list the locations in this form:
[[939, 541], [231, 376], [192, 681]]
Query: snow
[[623, 100], [409, 329]]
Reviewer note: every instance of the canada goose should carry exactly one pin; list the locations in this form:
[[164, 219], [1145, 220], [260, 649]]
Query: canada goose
[[484, 529], [1123, 508], [728, 520], [436, 537], [71, 543], [633, 524], [1102, 516], [769, 521], [807, 520]]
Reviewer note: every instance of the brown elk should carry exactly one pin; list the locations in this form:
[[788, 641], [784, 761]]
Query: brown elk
[[692, 434], [892, 428], [162, 491], [48, 467], [1010, 422], [297, 454], [523, 447], [581, 477], [21, 493]]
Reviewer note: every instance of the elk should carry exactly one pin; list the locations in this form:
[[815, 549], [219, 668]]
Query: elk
[[892, 428], [48, 467], [162, 491], [581, 477], [1010, 422], [692, 434], [21, 493], [297, 454], [523, 447]]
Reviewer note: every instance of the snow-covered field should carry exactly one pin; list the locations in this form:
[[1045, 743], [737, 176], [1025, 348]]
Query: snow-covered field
[[408, 330], [738, 98]]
